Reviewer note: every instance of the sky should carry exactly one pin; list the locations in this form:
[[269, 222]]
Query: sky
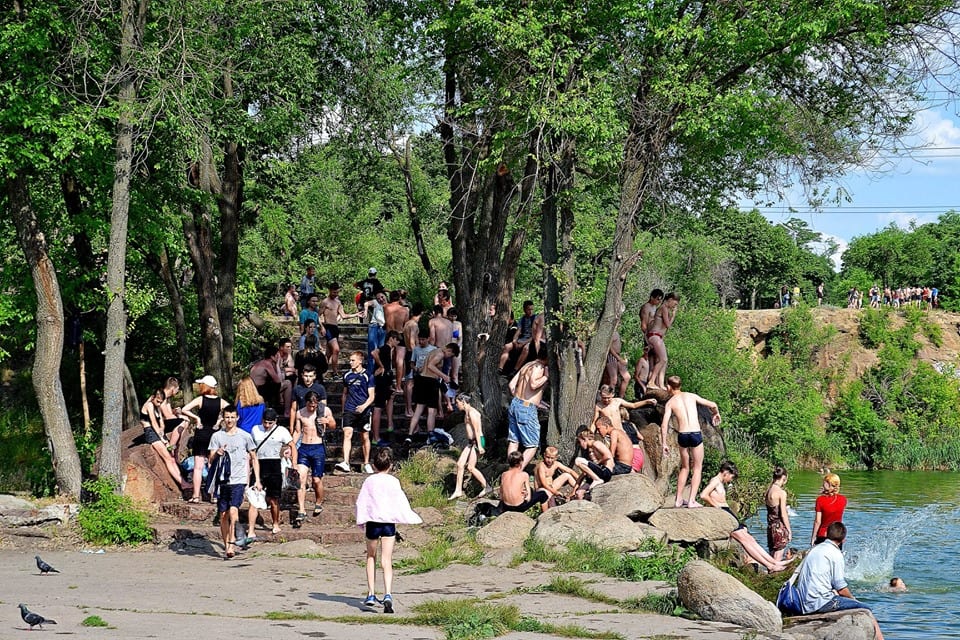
[[913, 189]]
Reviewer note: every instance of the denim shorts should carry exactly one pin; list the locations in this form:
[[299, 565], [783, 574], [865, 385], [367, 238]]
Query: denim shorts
[[524, 424]]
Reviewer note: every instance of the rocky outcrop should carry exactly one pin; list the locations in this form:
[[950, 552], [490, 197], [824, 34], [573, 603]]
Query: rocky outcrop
[[694, 525], [842, 625], [715, 595], [632, 495], [146, 479], [586, 521], [507, 531]]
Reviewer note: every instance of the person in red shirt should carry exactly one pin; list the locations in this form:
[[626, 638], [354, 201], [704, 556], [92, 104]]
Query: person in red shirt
[[829, 508]]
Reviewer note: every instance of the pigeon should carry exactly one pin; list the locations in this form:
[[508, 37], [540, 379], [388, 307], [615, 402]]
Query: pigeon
[[33, 619], [44, 567]]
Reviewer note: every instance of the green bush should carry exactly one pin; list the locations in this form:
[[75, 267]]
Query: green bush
[[110, 518]]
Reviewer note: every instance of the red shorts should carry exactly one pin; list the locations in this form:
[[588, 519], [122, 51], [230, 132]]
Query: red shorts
[[637, 464]]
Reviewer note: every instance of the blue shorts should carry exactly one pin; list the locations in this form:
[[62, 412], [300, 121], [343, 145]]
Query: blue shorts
[[313, 457], [524, 424], [841, 603], [231, 495], [690, 439], [377, 530]]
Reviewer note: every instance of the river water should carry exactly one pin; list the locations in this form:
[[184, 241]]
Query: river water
[[900, 523]]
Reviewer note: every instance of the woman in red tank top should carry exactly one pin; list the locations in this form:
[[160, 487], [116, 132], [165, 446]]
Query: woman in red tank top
[[829, 508]]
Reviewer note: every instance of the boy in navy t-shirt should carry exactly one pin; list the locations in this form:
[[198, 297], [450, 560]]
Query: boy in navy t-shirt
[[358, 394]]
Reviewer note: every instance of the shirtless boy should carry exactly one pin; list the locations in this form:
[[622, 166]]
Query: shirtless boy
[[515, 487], [609, 406], [552, 475], [397, 316], [309, 424], [621, 448], [599, 467], [615, 372], [715, 494], [524, 424], [331, 313], [683, 406], [411, 332]]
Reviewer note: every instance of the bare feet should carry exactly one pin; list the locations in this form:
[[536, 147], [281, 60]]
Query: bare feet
[[454, 496], [679, 504], [694, 505]]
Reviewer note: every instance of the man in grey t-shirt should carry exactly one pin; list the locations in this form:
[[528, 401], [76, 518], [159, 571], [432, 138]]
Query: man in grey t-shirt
[[239, 446]]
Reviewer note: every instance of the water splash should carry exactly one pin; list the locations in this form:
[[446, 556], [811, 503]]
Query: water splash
[[873, 556]]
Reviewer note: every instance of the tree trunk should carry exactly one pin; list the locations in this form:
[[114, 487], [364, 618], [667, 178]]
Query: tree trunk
[[132, 16], [199, 237], [131, 404], [404, 161], [162, 263], [49, 347]]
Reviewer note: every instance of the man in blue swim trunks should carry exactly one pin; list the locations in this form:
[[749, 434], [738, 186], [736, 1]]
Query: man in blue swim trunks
[[682, 406], [524, 424]]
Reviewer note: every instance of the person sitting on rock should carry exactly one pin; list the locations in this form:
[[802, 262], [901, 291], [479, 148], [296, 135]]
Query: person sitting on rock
[[515, 487], [598, 468], [552, 476], [715, 494], [621, 449], [636, 440]]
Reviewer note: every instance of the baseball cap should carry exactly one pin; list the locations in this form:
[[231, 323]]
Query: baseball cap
[[373, 271], [208, 380]]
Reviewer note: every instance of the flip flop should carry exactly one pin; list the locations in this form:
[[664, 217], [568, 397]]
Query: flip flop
[[193, 501]]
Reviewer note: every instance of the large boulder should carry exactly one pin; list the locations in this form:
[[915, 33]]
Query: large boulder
[[587, 522], [694, 525], [856, 624], [631, 495], [715, 595], [146, 479], [507, 531]]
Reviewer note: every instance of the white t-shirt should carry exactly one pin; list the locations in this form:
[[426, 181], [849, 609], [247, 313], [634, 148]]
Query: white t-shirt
[[270, 450], [821, 575]]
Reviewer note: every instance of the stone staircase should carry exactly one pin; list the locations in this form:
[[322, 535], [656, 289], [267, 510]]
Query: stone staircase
[[181, 520]]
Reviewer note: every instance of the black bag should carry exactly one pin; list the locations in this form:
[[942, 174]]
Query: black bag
[[482, 512], [291, 479]]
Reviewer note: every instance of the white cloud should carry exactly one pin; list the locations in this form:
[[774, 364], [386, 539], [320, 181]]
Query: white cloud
[[821, 247], [904, 219], [937, 130]]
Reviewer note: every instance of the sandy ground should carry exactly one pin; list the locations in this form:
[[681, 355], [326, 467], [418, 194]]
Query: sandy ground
[[190, 591]]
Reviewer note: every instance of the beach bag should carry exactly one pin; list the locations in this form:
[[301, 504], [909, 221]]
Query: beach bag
[[788, 600]]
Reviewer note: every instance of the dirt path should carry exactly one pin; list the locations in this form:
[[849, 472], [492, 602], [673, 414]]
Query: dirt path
[[192, 592]]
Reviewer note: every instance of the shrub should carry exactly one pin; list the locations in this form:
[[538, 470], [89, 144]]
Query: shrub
[[110, 518]]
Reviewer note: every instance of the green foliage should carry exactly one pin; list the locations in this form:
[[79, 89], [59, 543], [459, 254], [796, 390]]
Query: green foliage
[[663, 563], [443, 549], [664, 604], [110, 518]]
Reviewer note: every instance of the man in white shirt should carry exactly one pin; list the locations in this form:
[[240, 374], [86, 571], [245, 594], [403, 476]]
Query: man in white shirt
[[821, 582]]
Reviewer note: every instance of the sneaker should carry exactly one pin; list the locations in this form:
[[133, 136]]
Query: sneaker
[[368, 468], [371, 601], [387, 604], [343, 466], [383, 443]]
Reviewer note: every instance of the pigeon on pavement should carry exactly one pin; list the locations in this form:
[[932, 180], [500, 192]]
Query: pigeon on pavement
[[33, 619], [44, 567]]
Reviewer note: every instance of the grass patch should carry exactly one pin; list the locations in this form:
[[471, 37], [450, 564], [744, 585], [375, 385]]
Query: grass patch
[[94, 621], [422, 468], [657, 561], [431, 495], [576, 587], [469, 619], [443, 550]]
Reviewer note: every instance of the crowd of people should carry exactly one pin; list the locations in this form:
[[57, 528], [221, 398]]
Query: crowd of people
[[918, 297], [279, 419]]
